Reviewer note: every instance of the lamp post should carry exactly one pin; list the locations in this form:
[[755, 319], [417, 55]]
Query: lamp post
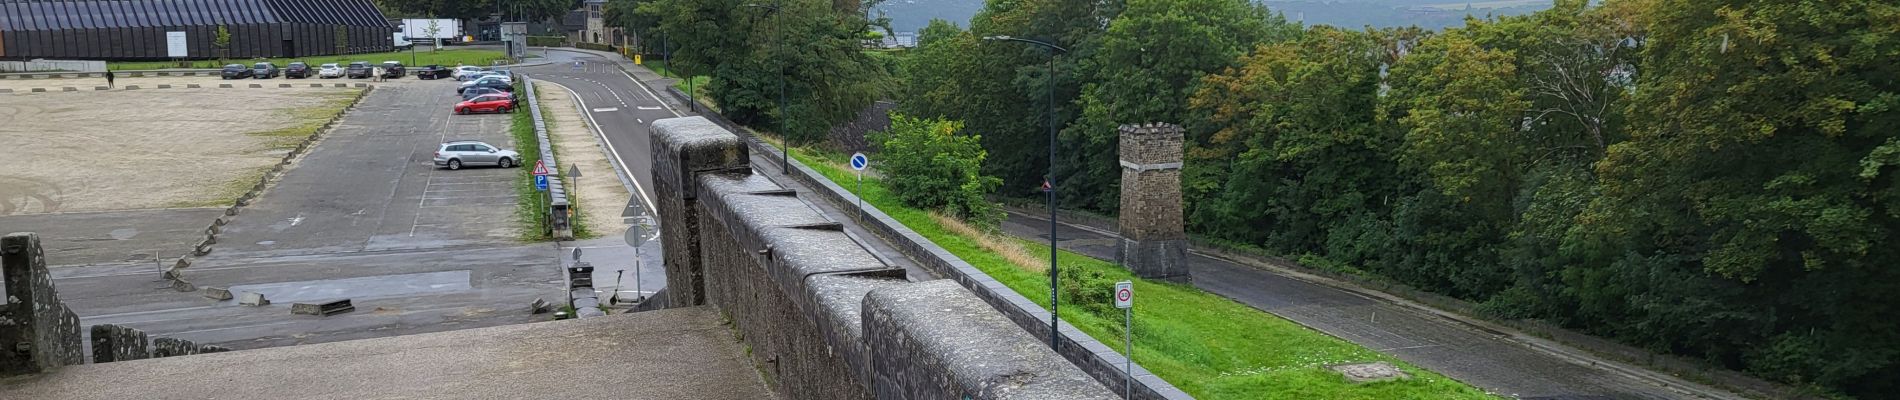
[[1049, 181], [785, 136]]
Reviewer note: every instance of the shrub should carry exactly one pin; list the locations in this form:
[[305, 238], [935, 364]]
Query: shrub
[[1089, 289], [930, 166]]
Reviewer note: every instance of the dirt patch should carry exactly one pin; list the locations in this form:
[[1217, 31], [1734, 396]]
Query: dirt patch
[[601, 193], [123, 150]]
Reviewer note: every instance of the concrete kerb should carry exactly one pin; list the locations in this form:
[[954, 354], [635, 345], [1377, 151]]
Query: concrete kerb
[[1072, 345], [216, 226], [557, 190]]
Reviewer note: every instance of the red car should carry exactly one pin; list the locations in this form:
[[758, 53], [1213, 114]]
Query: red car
[[486, 103]]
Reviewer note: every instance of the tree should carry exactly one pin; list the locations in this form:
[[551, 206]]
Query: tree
[[931, 165], [342, 39], [1147, 65], [433, 30], [223, 43]]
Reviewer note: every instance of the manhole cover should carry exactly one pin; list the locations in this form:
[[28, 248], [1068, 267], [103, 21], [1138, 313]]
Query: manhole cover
[[1370, 372]]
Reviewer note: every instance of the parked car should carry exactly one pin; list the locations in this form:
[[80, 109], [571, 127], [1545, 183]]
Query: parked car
[[393, 69], [474, 92], [358, 70], [492, 84], [458, 153], [298, 70], [488, 79], [330, 70], [265, 70], [433, 72], [468, 79], [462, 72], [235, 71], [488, 103]]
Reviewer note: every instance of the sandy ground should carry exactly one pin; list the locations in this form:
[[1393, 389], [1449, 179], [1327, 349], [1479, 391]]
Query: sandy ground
[[602, 195], [23, 87], [121, 150]]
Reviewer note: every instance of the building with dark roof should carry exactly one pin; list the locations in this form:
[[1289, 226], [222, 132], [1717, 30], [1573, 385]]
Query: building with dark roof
[[138, 29]]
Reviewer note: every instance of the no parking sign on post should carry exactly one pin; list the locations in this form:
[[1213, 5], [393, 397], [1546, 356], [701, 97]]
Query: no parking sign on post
[[859, 162], [1125, 300]]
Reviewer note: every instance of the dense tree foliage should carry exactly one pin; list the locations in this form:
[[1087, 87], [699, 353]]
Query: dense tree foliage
[[812, 48], [1716, 179], [523, 10], [931, 164]]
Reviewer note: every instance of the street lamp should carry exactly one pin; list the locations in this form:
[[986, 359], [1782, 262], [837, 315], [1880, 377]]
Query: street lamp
[[1049, 181], [785, 136]]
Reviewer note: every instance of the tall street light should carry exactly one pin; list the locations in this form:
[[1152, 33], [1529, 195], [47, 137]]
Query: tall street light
[[784, 135], [1049, 181]]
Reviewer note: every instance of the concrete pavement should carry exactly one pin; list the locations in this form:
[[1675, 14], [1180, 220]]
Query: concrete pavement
[[1488, 359]]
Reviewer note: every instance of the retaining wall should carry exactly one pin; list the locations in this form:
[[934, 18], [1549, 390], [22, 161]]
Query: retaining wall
[[37, 332], [823, 317]]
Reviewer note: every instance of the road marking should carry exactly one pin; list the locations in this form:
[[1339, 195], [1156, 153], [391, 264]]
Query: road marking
[[296, 220], [649, 108], [637, 189], [611, 109], [643, 86]]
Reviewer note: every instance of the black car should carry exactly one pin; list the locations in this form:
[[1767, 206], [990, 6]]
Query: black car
[[357, 70], [264, 70], [492, 84], [393, 69], [433, 72], [235, 71], [298, 70]]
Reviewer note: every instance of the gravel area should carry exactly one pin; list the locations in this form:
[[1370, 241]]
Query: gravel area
[[141, 149]]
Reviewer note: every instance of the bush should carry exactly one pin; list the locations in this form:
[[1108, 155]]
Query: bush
[[547, 41], [930, 166], [1089, 289]]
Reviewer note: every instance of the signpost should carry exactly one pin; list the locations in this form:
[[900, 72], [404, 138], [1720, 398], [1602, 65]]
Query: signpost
[[541, 184], [1125, 300], [636, 236], [859, 162]]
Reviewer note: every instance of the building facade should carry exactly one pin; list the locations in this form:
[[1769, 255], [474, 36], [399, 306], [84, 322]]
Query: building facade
[[143, 29]]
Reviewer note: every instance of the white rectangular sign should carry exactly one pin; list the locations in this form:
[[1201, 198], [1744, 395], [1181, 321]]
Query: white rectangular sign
[[175, 45], [1124, 294]]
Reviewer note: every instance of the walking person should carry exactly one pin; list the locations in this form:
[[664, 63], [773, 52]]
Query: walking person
[[109, 84], [376, 74]]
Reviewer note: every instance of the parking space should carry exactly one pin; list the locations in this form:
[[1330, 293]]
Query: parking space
[[372, 184]]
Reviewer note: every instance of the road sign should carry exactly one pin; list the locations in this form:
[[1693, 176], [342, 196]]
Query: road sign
[[574, 171], [176, 45], [636, 235], [1124, 294], [540, 167], [541, 182], [859, 161]]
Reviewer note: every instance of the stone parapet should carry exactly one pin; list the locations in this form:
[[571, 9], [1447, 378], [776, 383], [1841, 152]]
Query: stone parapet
[[37, 332]]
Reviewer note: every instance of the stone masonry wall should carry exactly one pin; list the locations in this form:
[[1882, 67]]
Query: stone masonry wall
[[1154, 239], [798, 291], [37, 332]]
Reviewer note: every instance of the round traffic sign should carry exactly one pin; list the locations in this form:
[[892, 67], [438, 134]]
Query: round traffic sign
[[1124, 294], [859, 161]]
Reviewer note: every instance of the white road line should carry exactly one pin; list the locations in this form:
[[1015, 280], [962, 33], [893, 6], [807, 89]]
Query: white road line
[[649, 108], [610, 109], [643, 86], [637, 189]]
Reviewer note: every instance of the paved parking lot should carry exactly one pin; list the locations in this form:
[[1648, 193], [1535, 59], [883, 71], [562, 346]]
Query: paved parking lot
[[371, 185]]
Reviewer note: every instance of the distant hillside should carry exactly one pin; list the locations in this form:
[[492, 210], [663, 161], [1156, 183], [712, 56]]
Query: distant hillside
[[911, 15]]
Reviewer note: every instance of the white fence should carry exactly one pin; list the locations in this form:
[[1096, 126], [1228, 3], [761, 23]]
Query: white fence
[[53, 66]]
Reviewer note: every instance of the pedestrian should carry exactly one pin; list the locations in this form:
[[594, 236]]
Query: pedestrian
[[109, 80], [376, 74]]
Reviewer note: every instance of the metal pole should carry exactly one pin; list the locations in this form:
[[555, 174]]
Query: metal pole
[[1054, 298], [1128, 350], [785, 135], [640, 295], [860, 194]]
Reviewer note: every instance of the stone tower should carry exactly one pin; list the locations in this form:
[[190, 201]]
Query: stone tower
[[1154, 241]]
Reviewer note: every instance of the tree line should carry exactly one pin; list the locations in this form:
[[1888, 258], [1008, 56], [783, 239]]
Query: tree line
[[1714, 179]]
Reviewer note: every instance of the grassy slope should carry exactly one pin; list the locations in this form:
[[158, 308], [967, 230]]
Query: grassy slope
[[1209, 346], [660, 67], [422, 57]]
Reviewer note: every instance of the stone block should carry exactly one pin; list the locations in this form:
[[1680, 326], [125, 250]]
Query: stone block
[[183, 286], [164, 86], [224, 86], [257, 85], [131, 87], [1370, 372], [253, 299], [362, 85], [342, 85], [283, 85], [193, 86], [539, 306], [936, 340], [169, 347], [39, 90], [6, 90], [101, 88], [323, 309], [113, 343], [68, 89], [217, 293], [316, 85]]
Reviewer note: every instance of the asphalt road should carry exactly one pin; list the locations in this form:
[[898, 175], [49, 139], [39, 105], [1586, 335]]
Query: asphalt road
[[115, 237], [1479, 357], [365, 216]]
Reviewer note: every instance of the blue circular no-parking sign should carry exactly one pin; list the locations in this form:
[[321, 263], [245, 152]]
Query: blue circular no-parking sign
[[859, 161]]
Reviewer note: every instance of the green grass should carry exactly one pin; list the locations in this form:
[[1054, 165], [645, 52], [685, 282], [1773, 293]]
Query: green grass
[[1209, 346], [529, 201], [421, 57]]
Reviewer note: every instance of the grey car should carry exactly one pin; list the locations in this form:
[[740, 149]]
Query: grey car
[[264, 70], [457, 154]]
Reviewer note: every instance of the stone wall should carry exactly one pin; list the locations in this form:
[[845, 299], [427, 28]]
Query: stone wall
[[37, 332], [798, 290], [1154, 239], [849, 136]]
